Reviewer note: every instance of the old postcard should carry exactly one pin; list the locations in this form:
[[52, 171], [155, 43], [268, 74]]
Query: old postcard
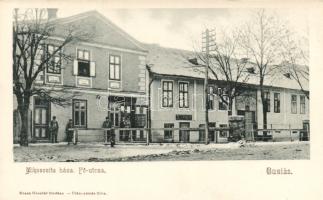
[[108, 100]]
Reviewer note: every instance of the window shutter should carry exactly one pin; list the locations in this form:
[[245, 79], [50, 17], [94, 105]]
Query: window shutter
[[92, 69], [75, 68]]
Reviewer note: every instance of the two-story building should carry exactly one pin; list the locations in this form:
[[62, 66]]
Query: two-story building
[[106, 77]]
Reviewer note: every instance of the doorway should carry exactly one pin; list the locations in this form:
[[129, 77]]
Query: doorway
[[184, 135], [41, 119], [212, 135]]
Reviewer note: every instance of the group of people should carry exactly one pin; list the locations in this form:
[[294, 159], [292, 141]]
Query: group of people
[[53, 130]]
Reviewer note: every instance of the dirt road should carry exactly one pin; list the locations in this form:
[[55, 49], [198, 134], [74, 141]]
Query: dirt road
[[165, 152]]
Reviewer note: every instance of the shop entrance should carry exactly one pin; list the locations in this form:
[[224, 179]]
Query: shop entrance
[[121, 113]]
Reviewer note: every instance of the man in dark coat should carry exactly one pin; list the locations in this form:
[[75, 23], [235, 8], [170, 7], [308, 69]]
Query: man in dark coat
[[107, 124], [69, 133], [53, 129], [112, 138]]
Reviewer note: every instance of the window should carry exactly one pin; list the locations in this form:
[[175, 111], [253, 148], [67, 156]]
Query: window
[[276, 102], [223, 99], [267, 101], [83, 60], [302, 104], [114, 67], [222, 133], [167, 94], [79, 113], [183, 95], [54, 63], [294, 104], [168, 134], [210, 98]]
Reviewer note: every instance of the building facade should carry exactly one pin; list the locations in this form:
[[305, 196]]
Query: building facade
[[177, 96], [108, 76]]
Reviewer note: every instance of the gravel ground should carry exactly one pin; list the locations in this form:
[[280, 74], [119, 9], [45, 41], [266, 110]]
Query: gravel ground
[[162, 152]]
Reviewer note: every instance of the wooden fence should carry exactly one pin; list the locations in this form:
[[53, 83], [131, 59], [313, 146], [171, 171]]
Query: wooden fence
[[275, 134]]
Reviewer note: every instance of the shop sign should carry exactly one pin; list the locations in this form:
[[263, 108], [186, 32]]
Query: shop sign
[[183, 117]]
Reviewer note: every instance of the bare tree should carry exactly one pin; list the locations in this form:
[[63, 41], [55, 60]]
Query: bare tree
[[262, 39], [31, 32], [295, 61], [229, 66]]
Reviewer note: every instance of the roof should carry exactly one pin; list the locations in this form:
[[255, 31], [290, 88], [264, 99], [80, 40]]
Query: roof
[[102, 30], [171, 61]]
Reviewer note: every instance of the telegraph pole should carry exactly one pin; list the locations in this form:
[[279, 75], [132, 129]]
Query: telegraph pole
[[207, 36]]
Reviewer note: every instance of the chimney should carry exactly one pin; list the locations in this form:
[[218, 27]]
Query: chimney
[[52, 13]]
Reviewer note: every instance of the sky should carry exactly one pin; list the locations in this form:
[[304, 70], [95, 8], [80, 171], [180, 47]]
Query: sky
[[182, 28]]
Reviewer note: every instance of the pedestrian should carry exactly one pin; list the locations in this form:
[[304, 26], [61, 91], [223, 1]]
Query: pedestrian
[[123, 134], [110, 133], [53, 129], [107, 124], [69, 133], [112, 138]]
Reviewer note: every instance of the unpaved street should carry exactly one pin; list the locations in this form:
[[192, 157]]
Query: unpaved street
[[101, 153]]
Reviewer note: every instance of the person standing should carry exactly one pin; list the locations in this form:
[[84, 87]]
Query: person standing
[[110, 134], [53, 129], [69, 133], [112, 138], [107, 124], [123, 134]]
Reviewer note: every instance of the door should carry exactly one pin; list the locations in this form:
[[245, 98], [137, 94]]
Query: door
[[41, 119], [184, 136], [117, 120], [202, 133], [212, 132]]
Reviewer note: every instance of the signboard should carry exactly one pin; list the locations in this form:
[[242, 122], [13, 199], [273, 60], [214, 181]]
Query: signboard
[[53, 79], [83, 81], [183, 117], [114, 85]]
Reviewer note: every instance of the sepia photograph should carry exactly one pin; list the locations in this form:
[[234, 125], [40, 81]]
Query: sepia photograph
[[185, 100], [160, 84]]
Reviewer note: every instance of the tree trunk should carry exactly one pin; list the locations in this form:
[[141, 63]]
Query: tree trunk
[[264, 113], [24, 127], [23, 111], [232, 107]]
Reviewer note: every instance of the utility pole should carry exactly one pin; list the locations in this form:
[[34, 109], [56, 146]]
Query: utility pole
[[209, 41]]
